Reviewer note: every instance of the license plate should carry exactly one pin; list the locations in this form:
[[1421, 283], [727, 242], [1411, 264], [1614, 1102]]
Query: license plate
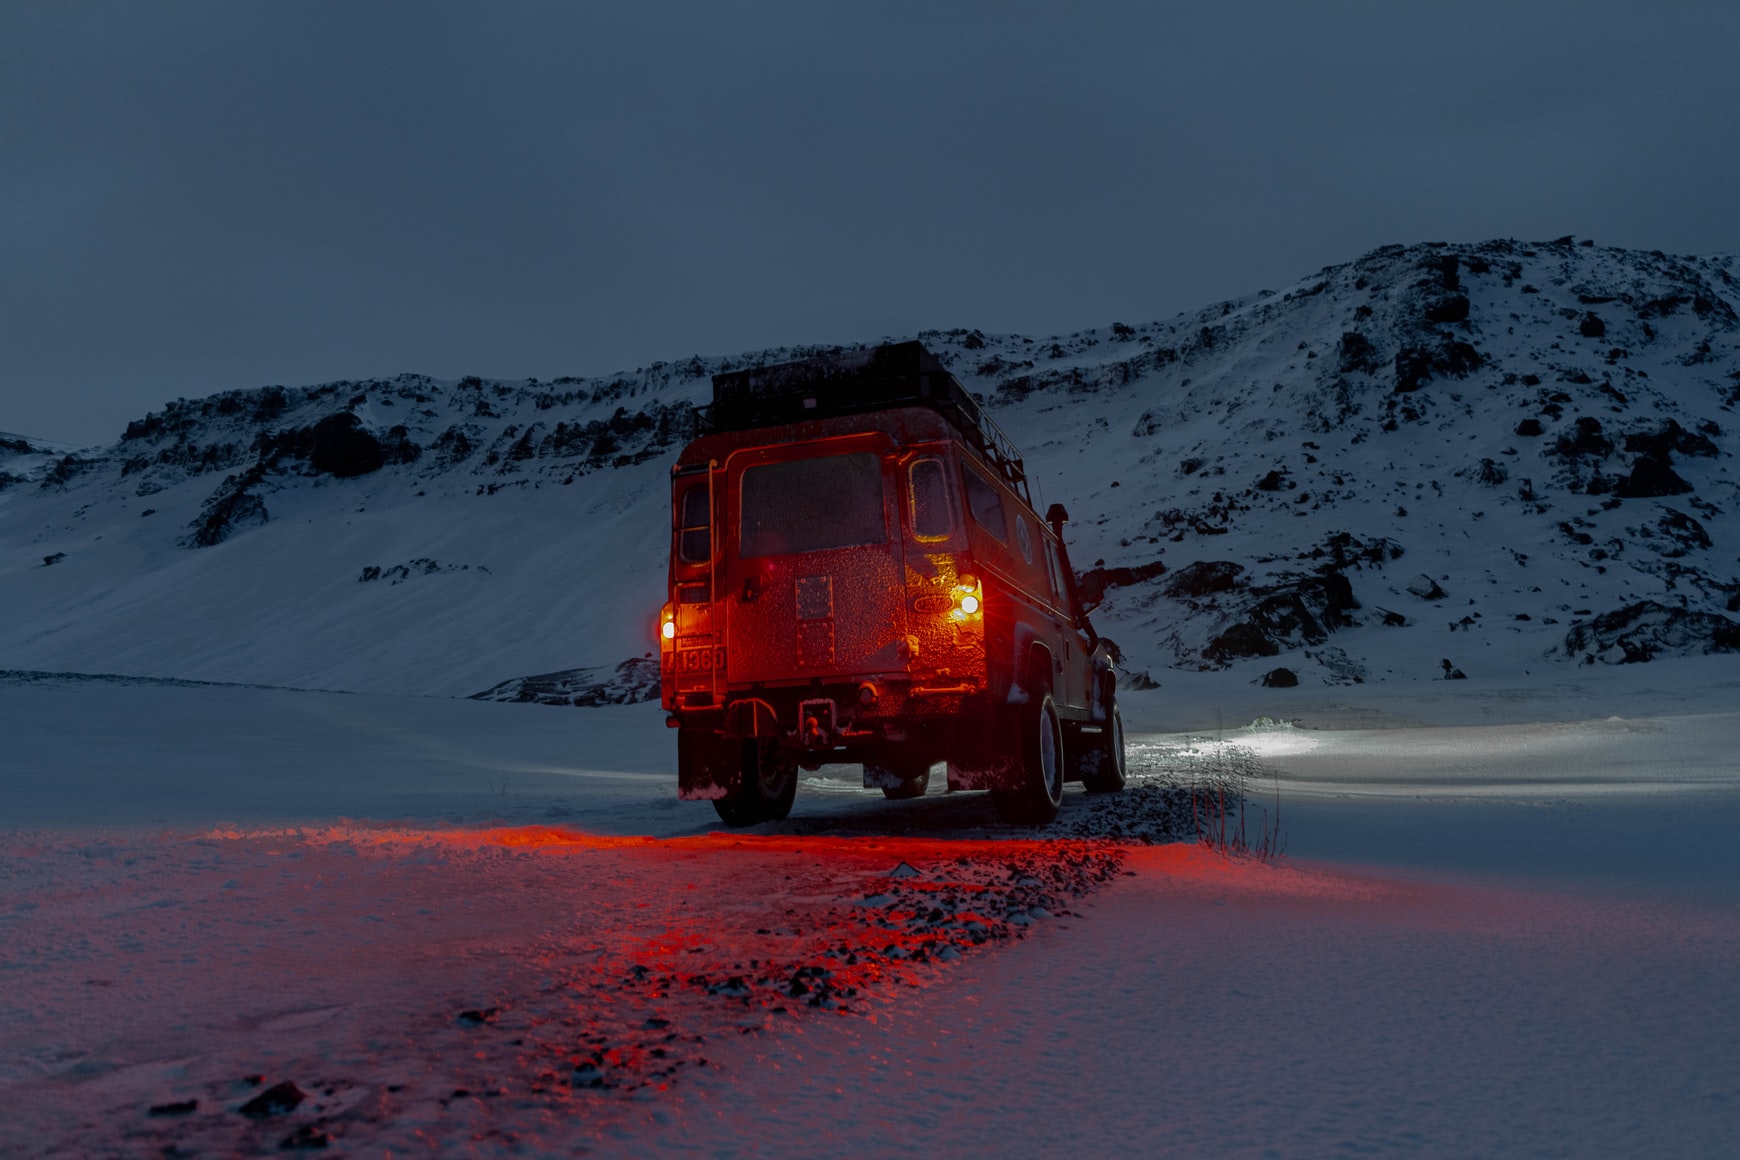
[[700, 660]]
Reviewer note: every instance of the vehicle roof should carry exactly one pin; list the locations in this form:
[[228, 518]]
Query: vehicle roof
[[857, 382], [901, 424]]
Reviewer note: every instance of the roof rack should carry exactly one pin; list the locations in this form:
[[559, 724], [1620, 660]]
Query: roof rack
[[897, 374]]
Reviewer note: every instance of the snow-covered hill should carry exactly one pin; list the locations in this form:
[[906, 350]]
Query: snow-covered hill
[[1494, 459]]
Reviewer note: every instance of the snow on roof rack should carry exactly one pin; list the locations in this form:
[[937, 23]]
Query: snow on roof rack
[[897, 374]]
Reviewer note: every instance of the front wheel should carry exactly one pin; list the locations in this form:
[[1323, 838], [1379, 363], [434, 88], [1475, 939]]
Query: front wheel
[[769, 787], [1037, 799], [1102, 765]]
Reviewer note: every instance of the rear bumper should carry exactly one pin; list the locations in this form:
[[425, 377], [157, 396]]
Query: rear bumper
[[830, 723], [849, 708]]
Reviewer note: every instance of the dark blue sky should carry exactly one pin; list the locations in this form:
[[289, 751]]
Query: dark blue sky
[[196, 196]]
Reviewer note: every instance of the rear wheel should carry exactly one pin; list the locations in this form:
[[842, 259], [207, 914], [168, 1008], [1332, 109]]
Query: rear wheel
[[1102, 758], [742, 810], [1036, 800], [769, 787]]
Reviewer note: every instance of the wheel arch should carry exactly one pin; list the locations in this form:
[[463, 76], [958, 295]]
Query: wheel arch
[[1032, 657]]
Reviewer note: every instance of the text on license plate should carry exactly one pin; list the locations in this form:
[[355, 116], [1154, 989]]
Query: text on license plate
[[700, 660]]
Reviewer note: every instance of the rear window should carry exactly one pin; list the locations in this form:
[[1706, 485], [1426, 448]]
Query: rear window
[[931, 517], [810, 505], [694, 536]]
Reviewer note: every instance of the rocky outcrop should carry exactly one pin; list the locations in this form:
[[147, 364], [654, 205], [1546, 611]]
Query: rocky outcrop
[[1204, 578], [632, 681], [1649, 629], [1297, 612], [228, 510], [1650, 477]]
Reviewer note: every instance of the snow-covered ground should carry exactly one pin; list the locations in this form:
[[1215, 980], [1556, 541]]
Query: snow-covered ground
[[279, 884], [1203, 1009], [466, 928]]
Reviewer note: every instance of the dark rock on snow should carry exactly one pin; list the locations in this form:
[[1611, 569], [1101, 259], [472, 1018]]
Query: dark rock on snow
[[1425, 588], [1204, 578], [1682, 534], [1583, 440], [1357, 355], [630, 682], [229, 509], [1241, 640], [337, 445], [1451, 308], [1122, 577], [1348, 551], [1648, 629], [1442, 356], [1297, 612], [274, 1101], [1668, 440], [1650, 477]]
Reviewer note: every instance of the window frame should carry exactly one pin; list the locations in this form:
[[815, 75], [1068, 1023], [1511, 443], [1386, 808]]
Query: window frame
[[947, 495], [1001, 533], [703, 488], [1054, 570]]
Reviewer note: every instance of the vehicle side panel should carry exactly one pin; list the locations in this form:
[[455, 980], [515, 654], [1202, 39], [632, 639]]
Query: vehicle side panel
[[1025, 609]]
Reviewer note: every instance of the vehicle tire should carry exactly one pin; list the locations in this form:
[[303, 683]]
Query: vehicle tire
[[909, 787], [777, 778], [1035, 802], [1102, 759], [742, 810], [769, 787]]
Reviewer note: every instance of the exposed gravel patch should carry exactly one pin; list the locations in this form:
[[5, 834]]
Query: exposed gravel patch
[[1176, 792], [361, 987]]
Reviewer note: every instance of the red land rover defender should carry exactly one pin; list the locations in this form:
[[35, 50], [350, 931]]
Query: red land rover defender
[[857, 576]]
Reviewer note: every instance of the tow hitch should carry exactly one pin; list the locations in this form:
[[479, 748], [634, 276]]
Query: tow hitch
[[816, 723]]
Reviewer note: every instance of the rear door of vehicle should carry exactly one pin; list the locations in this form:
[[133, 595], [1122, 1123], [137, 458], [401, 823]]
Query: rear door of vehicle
[[946, 644], [699, 655], [813, 562]]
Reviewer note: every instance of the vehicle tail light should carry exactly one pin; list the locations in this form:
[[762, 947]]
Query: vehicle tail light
[[668, 623], [969, 600]]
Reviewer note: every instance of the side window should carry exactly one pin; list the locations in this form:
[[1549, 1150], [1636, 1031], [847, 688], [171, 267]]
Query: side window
[[928, 487], [694, 526], [1055, 570], [986, 503]]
